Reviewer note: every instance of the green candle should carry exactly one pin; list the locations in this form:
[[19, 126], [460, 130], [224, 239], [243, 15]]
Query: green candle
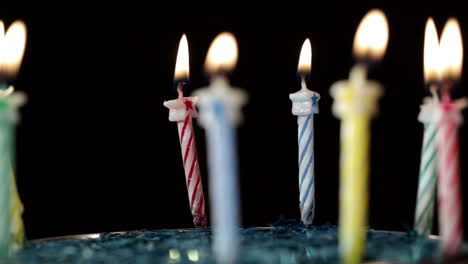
[[12, 45], [11, 223], [5, 166]]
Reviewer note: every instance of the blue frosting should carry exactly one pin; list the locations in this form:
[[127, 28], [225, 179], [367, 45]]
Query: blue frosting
[[284, 242]]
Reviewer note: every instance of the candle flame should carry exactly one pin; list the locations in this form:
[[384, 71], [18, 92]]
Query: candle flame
[[222, 54], [371, 36], [431, 53], [12, 45], [182, 61], [451, 50], [305, 59]]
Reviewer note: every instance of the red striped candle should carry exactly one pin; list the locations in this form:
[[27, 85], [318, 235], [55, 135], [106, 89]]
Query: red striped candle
[[449, 196], [448, 117], [192, 171], [181, 110]]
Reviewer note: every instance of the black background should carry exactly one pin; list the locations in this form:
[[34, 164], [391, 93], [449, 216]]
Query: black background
[[95, 149]]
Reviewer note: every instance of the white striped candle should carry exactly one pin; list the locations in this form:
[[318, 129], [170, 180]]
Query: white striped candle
[[428, 171], [192, 171], [425, 198], [449, 118], [181, 111], [305, 105]]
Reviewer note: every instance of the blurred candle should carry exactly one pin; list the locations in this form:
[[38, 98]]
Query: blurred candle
[[181, 110], [219, 114], [448, 118], [355, 103], [428, 170], [12, 46], [305, 105]]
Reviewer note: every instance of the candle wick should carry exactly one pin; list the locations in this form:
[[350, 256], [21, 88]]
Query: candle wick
[[303, 83], [447, 84], [434, 93], [180, 90], [358, 76]]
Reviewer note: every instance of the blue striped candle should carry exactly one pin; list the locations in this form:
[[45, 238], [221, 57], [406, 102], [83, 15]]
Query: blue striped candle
[[219, 113], [305, 105]]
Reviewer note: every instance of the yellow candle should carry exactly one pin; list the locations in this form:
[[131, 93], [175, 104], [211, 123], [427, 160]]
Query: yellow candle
[[355, 104]]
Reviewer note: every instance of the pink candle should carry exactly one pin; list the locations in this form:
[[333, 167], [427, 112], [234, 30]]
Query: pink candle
[[448, 117], [450, 204], [181, 110]]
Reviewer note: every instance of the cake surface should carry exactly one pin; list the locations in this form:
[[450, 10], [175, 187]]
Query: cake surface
[[280, 243]]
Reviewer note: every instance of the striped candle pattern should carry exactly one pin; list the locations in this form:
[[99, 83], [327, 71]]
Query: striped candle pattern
[[427, 174], [449, 196], [304, 106], [181, 110], [192, 171], [306, 168]]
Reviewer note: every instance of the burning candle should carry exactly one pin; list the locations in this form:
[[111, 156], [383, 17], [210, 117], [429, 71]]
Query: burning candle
[[181, 110], [219, 113], [12, 45], [428, 168], [305, 105], [355, 103], [448, 117]]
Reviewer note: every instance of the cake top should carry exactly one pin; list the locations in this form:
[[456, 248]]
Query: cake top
[[285, 242]]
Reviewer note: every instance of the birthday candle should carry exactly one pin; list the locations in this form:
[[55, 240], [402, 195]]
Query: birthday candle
[[12, 45], [428, 170], [5, 192], [305, 105], [355, 103], [219, 113], [448, 117], [11, 226], [181, 111]]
